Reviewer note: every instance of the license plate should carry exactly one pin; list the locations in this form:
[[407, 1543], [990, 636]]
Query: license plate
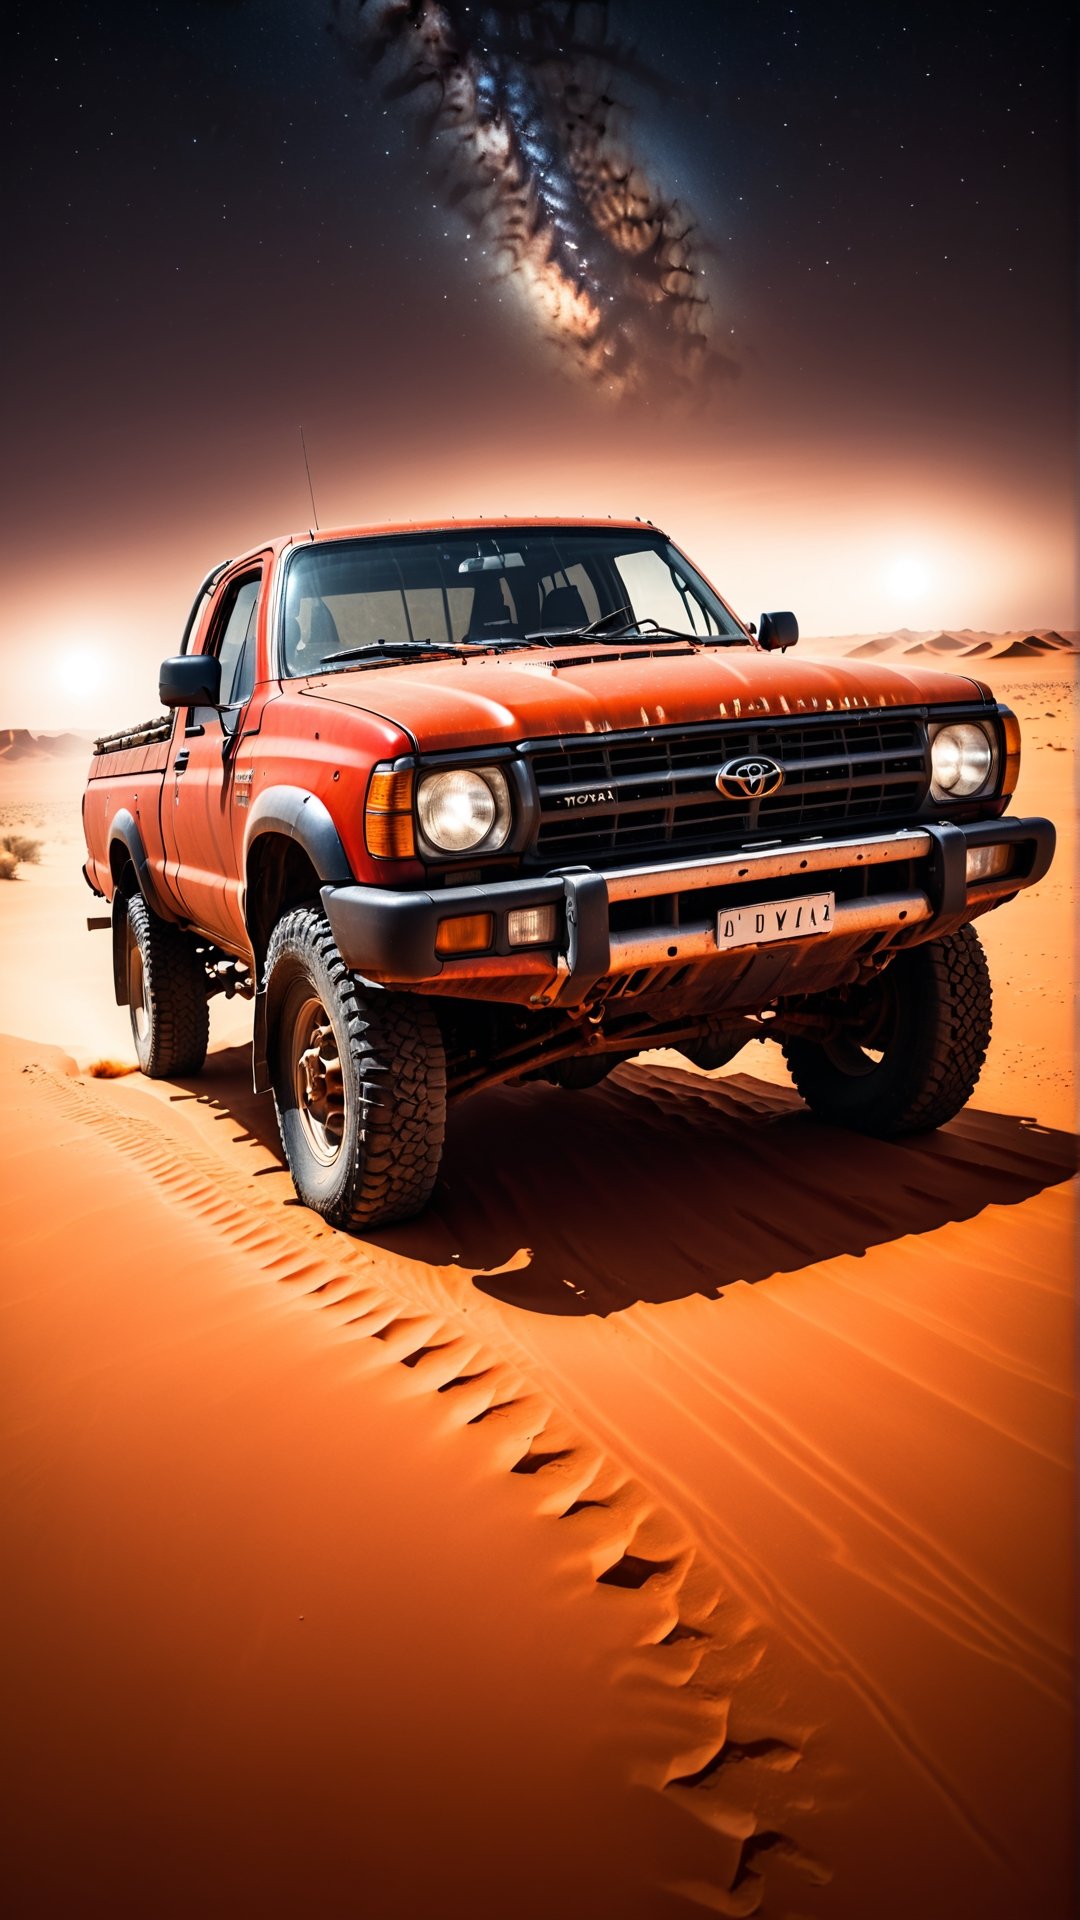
[[779, 920]]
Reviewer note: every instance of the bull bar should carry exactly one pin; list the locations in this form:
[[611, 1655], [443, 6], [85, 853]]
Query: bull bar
[[390, 936]]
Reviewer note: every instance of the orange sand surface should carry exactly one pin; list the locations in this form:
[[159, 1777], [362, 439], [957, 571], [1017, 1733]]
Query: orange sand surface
[[675, 1520]]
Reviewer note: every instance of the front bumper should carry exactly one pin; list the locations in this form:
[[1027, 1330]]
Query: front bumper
[[891, 889]]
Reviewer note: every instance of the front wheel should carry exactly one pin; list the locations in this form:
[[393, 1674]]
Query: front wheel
[[904, 1052], [359, 1080]]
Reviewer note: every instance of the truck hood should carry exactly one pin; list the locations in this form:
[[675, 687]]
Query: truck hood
[[493, 701]]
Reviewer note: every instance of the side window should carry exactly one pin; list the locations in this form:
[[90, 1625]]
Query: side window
[[236, 646]]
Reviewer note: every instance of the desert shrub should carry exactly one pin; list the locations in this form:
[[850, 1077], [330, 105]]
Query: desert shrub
[[17, 850], [24, 851]]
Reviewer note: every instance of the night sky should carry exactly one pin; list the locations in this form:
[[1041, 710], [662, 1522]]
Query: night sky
[[223, 220]]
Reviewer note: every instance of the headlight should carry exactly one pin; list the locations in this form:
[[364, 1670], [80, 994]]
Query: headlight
[[464, 810], [962, 760]]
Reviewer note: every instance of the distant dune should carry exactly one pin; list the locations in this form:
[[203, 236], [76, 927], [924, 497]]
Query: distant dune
[[18, 743], [868, 648], [942, 643], [954, 643], [1021, 650]]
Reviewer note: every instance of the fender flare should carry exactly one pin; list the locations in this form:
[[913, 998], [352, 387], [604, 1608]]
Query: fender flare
[[119, 949], [124, 831], [299, 816]]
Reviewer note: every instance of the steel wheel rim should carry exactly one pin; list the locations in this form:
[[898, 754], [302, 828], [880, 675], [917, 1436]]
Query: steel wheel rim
[[317, 1079], [865, 1045]]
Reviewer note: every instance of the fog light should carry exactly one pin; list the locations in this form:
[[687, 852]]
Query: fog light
[[986, 863], [531, 927], [468, 933]]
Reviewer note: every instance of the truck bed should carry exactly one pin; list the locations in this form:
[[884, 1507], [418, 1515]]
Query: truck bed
[[146, 733]]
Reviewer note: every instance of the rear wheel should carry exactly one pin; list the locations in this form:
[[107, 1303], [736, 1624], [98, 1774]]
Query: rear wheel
[[166, 990], [359, 1081], [905, 1051]]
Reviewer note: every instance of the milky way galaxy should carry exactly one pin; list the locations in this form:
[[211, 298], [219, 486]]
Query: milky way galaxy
[[526, 139]]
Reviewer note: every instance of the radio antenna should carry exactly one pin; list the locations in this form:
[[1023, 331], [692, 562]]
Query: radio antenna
[[310, 488]]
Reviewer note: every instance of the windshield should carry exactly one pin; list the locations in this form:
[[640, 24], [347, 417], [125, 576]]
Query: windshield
[[490, 589]]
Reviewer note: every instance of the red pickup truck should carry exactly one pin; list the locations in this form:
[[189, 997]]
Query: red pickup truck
[[507, 801]]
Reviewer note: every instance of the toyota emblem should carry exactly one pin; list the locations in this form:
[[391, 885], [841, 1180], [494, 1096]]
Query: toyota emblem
[[749, 778]]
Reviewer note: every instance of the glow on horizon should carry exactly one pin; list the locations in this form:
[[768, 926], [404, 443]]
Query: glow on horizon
[[908, 578], [798, 534], [78, 671]]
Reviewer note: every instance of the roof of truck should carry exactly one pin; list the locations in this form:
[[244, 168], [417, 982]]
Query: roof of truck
[[468, 524], [307, 536]]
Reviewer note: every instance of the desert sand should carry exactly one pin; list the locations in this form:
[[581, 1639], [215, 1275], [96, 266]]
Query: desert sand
[[675, 1520]]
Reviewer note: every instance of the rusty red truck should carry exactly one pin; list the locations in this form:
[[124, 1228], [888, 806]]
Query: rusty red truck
[[475, 803]]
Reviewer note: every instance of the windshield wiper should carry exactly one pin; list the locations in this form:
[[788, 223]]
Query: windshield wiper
[[648, 630], [673, 633], [584, 633], [601, 629], [373, 648], [600, 624]]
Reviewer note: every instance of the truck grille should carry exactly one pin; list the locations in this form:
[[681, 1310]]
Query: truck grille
[[871, 767]]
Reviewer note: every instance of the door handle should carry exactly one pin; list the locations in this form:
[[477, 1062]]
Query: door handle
[[181, 760]]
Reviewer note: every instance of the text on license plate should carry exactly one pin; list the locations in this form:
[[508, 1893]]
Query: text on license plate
[[778, 920]]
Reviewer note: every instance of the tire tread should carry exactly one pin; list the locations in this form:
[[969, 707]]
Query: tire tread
[[397, 1048], [943, 1068], [176, 986]]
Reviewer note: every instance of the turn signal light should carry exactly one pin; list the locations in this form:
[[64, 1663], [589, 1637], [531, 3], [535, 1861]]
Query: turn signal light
[[388, 819], [467, 933], [1012, 753]]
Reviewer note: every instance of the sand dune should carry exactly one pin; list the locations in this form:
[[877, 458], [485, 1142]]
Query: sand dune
[[941, 643], [953, 645], [18, 743], [673, 1521], [1022, 649], [870, 649]]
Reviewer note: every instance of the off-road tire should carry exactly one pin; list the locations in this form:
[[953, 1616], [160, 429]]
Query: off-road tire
[[167, 1000], [378, 1163], [939, 1033]]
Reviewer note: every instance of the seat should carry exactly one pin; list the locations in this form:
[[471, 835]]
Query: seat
[[294, 645], [563, 610], [323, 637], [490, 618]]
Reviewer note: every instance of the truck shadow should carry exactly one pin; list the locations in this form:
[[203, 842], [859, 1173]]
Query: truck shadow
[[662, 1183]]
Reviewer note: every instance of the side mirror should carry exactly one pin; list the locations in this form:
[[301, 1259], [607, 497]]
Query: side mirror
[[191, 680], [778, 630]]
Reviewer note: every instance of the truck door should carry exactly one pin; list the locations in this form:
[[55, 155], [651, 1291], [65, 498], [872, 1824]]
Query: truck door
[[200, 827]]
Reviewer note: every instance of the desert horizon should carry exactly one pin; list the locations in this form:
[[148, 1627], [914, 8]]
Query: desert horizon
[[927, 643]]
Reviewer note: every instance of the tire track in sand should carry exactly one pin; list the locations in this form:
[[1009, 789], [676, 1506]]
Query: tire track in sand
[[738, 1757], [805, 1628]]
